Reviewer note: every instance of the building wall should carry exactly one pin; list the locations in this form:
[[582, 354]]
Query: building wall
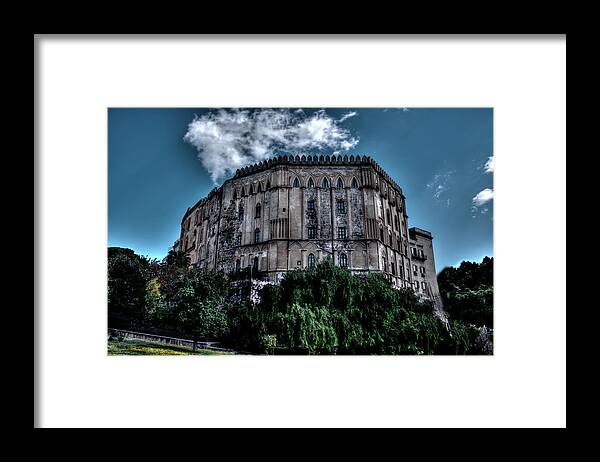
[[423, 265], [223, 231]]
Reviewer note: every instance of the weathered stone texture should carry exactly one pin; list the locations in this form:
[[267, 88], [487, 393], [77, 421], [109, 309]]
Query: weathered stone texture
[[262, 218]]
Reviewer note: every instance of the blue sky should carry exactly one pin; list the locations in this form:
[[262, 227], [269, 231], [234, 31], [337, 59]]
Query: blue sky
[[439, 157]]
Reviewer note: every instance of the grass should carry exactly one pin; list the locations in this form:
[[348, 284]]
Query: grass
[[143, 347]]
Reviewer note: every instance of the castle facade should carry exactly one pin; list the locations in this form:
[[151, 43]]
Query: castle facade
[[291, 212]]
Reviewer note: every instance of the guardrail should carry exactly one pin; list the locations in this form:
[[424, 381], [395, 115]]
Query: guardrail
[[166, 340]]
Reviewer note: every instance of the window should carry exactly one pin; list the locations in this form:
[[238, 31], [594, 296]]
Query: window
[[251, 189], [255, 264], [259, 187], [394, 268], [311, 260], [401, 271], [341, 232], [312, 232], [234, 194], [310, 205], [325, 183], [340, 206], [343, 260], [296, 182], [310, 183], [396, 222], [388, 217], [237, 266], [424, 286], [241, 213], [238, 240], [256, 235], [257, 215], [268, 184], [340, 183], [390, 241], [354, 183], [415, 270], [381, 234], [383, 264], [422, 270]]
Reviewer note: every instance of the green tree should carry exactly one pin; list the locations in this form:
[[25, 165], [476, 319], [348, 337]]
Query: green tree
[[128, 275], [327, 310], [468, 292], [198, 305]]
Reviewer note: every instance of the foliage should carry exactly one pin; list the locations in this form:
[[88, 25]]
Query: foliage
[[319, 310], [127, 278], [468, 292], [327, 310], [198, 305]]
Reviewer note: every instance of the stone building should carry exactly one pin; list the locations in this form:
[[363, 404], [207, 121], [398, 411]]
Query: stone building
[[291, 212]]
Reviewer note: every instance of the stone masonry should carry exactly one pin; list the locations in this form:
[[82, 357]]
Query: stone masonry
[[291, 212]]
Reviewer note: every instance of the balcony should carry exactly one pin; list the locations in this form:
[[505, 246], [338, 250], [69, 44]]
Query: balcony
[[416, 256]]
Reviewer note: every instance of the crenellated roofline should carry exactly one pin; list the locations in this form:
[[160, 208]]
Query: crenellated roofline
[[328, 160], [299, 160]]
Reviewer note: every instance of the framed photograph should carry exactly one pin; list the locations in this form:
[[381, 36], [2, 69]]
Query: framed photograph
[[307, 230]]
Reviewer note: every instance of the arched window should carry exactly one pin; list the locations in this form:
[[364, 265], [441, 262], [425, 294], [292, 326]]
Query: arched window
[[311, 260], [311, 183], [343, 260], [296, 182], [255, 264], [257, 235], [268, 184], [354, 183], [257, 215], [340, 183], [241, 213], [325, 183], [243, 191]]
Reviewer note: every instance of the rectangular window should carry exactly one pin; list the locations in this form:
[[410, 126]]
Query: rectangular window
[[341, 233], [311, 205], [340, 206], [312, 232]]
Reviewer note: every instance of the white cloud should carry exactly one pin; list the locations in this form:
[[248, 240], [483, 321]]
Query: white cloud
[[483, 197], [489, 165], [230, 139], [348, 115], [439, 185]]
